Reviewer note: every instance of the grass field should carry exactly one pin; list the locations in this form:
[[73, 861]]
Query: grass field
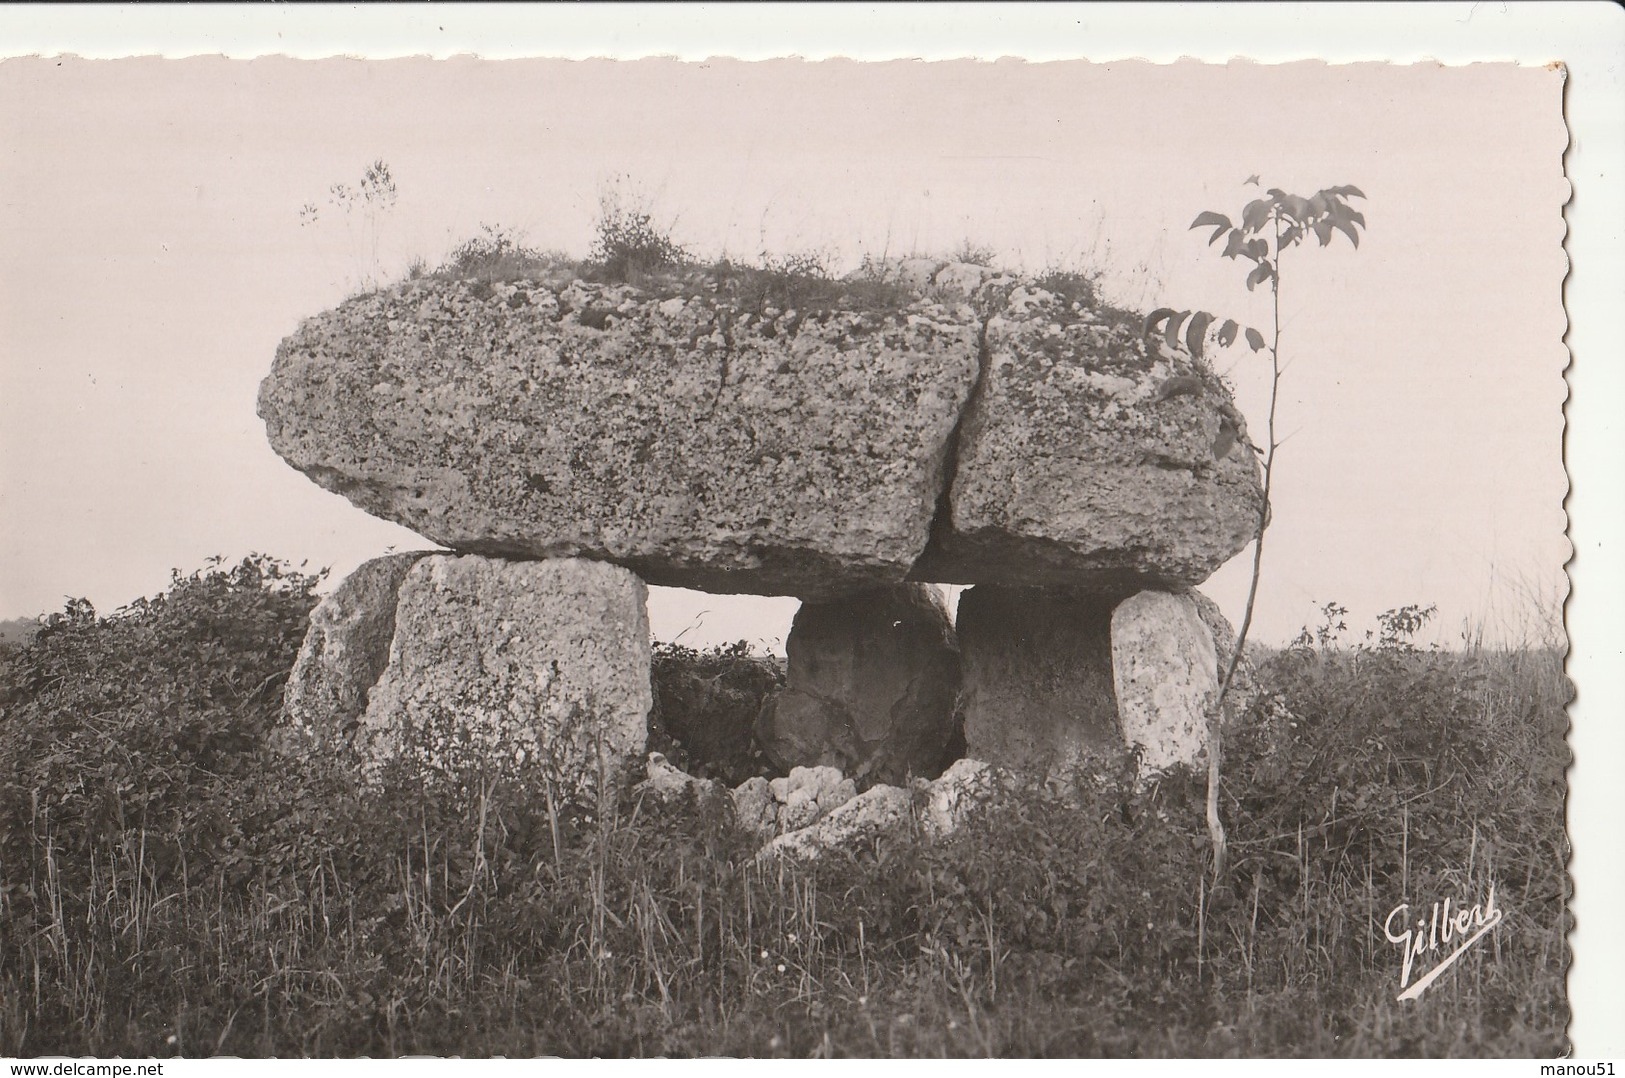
[[171, 886]]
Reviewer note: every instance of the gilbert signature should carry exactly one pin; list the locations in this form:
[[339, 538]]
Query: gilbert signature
[[1464, 925]]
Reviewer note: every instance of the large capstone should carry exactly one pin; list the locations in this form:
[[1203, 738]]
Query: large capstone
[[701, 443], [1037, 667], [534, 670], [870, 689], [1090, 458]]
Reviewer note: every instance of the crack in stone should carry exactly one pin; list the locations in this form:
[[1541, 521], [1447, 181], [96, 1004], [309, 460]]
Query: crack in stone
[[727, 358], [942, 520]]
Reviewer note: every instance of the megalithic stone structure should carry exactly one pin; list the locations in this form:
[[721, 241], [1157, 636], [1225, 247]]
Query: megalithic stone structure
[[569, 441]]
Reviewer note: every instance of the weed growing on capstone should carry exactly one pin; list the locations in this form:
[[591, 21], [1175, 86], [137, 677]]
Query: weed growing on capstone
[[975, 254], [499, 254], [802, 282]]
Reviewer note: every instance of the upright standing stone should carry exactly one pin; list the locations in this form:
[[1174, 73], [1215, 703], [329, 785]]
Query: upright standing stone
[[1165, 671], [871, 686], [1244, 688], [345, 651], [1037, 663], [535, 669]]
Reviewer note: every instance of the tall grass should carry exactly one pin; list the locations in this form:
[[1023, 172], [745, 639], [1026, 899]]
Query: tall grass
[[321, 920]]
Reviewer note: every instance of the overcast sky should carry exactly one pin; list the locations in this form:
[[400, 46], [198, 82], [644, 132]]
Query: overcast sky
[[155, 256]]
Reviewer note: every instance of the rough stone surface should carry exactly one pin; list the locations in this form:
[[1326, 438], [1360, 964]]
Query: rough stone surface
[[1165, 673], [954, 796], [701, 445], [345, 652], [938, 807], [756, 808], [1244, 689], [871, 686], [1037, 667], [808, 793], [531, 666], [880, 811], [1071, 471], [666, 784]]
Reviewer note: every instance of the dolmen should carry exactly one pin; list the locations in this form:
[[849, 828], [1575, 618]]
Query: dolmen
[[568, 442]]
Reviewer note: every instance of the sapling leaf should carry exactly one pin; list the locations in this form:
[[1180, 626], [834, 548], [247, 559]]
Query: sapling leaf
[[1255, 339], [1227, 332], [1154, 319], [1196, 333], [1260, 274], [1219, 220], [1172, 334], [1348, 229], [1256, 213]]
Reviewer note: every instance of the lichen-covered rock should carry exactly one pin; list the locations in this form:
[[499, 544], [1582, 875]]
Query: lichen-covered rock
[[871, 685], [1077, 465], [808, 793], [666, 784], [345, 652], [949, 800], [880, 811], [1165, 672], [755, 807], [702, 444], [1037, 668], [539, 669]]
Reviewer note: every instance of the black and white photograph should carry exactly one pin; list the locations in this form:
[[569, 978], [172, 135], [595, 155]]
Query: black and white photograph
[[622, 552]]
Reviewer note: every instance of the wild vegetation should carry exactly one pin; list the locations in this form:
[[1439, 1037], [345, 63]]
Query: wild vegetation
[[706, 703], [630, 246], [361, 209], [631, 251], [170, 884]]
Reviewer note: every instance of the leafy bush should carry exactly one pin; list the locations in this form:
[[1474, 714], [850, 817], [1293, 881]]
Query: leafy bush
[[148, 720], [706, 703], [1076, 288], [976, 254]]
